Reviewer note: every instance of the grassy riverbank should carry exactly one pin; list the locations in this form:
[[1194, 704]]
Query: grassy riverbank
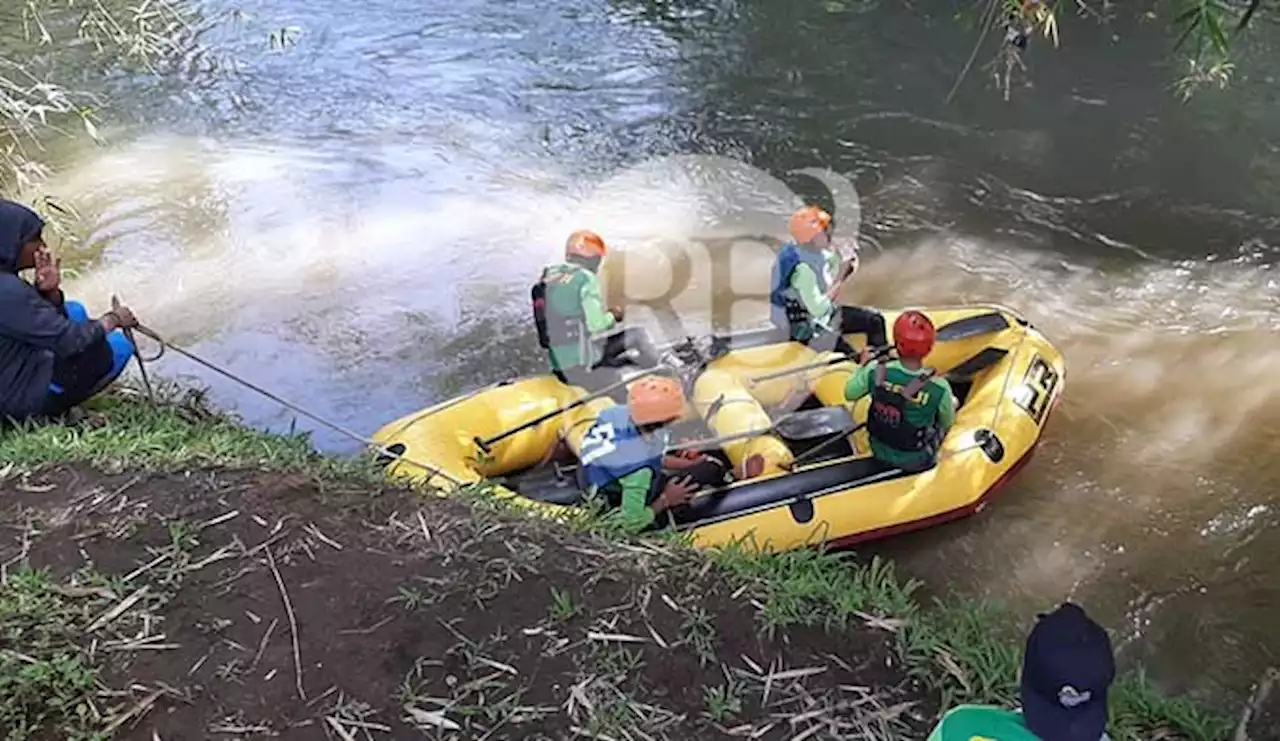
[[173, 571]]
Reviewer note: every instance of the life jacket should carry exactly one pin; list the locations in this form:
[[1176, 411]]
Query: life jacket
[[787, 309], [612, 448], [887, 419], [555, 324]]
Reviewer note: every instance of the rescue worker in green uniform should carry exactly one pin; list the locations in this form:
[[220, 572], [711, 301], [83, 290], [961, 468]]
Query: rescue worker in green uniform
[[624, 455], [911, 409], [1067, 669], [807, 278], [581, 335]]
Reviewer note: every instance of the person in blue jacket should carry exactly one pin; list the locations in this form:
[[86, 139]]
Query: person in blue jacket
[[806, 280], [52, 355], [624, 455]]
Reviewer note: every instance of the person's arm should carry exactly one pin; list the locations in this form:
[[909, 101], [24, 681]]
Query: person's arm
[[844, 271], [57, 298], [859, 383], [28, 317], [599, 318], [805, 284], [635, 513]]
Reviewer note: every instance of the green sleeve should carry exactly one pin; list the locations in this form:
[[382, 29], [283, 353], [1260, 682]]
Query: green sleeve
[[946, 407], [596, 313], [635, 513], [834, 261], [859, 383], [806, 284]]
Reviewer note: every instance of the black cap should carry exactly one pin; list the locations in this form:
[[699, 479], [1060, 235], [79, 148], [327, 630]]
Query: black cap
[[1067, 669]]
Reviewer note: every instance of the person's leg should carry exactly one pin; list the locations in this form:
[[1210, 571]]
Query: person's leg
[[615, 347], [594, 379], [709, 473], [122, 350], [856, 319], [80, 377], [76, 311]]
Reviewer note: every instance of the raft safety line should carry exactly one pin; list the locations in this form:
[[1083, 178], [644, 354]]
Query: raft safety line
[[142, 329]]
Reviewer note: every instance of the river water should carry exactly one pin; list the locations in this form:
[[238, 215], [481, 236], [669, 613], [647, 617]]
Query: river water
[[355, 224]]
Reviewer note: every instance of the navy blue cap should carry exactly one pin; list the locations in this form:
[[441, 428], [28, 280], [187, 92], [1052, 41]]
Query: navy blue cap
[[1067, 668]]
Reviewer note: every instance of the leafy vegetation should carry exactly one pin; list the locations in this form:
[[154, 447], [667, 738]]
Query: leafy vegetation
[[1206, 33]]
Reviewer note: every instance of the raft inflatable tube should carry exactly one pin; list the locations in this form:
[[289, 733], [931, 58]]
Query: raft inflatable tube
[[819, 485]]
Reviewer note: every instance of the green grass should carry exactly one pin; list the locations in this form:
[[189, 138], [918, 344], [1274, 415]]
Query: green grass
[[43, 678], [179, 431], [958, 650], [967, 651]]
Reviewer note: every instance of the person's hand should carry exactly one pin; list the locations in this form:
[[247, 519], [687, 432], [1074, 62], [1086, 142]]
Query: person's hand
[[677, 492], [48, 271], [618, 312], [120, 317]]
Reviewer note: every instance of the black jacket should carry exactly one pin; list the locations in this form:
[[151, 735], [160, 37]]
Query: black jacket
[[34, 330]]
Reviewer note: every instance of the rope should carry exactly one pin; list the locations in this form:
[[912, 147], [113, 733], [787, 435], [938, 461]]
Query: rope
[[290, 405], [137, 353]]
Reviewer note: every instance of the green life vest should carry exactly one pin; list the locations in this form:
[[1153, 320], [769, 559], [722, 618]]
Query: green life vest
[[560, 317], [902, 422]]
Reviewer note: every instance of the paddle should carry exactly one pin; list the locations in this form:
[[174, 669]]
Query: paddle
[[789, 426], [876, 354], [487, 442], [811, 452]]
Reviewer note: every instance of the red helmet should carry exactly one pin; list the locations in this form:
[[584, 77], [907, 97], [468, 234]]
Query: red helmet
[[913, 335]]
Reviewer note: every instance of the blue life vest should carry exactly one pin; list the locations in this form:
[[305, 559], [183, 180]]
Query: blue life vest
[[613, 447], [787, 309]]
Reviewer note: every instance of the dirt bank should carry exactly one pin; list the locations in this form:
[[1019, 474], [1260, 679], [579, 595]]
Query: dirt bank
[[171, 574], [238, 604]]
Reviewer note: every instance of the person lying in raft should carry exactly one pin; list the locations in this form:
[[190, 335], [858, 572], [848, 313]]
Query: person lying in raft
[[807, 278], [581, 335], [624, 457], [1067, 670], [911, 409], [52, 355]]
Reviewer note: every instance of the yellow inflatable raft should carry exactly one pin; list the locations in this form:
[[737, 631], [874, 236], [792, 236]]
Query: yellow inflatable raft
[[819, 484]]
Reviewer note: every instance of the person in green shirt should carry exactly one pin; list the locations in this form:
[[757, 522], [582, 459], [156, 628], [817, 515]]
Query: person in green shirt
[[806, 280], [580, 334], [1067, 669], [624, 455], [911, 409]]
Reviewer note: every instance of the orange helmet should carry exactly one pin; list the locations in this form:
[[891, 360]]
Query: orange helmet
[[584, 243], [808, 222], [913, 335], [655, 400]]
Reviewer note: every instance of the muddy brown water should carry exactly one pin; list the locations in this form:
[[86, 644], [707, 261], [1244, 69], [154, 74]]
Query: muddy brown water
[[358, 233]]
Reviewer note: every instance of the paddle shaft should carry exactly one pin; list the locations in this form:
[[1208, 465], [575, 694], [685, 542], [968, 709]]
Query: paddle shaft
[[878, 353], [486, 442], [714, 442], [810, 453]]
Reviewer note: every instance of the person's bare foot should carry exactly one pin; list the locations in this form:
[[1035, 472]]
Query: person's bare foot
[[753, 466]]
